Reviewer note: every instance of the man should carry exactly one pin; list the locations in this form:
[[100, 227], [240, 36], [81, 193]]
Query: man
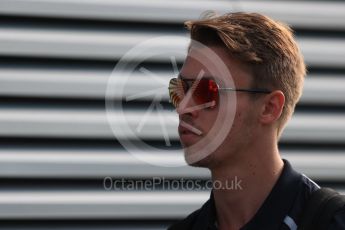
[[265, 82]]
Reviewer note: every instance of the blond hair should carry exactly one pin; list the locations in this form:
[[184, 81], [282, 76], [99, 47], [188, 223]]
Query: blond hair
[[266, 46]]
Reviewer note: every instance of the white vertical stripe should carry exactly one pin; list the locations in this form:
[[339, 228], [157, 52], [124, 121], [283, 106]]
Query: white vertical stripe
[[290, 222], [311, 181]]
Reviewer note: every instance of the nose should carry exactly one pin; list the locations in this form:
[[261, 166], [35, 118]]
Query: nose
[[188, 106]]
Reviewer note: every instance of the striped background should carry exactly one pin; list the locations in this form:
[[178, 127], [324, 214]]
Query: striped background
[[56, 146]]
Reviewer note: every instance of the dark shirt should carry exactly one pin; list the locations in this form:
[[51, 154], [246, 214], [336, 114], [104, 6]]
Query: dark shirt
[[281, 210]]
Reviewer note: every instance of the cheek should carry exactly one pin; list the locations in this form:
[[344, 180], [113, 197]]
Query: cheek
[[237, 121], [210, 117], [243, 122]]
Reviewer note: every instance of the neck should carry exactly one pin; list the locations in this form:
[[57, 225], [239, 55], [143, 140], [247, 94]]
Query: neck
[[247, 182]]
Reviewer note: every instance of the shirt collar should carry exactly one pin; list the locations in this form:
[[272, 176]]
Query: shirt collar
[[274, 209], [278, 203]]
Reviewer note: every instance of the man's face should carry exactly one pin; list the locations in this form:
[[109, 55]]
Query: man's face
[[198, 125]]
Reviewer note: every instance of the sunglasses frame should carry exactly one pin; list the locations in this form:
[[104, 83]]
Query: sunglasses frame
[[252, 90]]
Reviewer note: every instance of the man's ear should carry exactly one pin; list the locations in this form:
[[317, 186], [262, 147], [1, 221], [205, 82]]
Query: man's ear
[[272, 107]]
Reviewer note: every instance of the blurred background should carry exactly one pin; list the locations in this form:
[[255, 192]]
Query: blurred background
[[56, 146]]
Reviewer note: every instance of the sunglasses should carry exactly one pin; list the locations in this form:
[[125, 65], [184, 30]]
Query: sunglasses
[[204, 91]]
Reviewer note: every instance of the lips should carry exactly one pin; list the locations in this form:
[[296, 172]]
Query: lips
[[182, 130], [186, 128], [188, 135]]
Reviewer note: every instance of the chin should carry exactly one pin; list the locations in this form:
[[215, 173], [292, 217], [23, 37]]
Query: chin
[[188, 140], [205, 162]]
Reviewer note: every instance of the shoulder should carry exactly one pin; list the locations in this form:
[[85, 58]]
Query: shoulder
[[338, 221]]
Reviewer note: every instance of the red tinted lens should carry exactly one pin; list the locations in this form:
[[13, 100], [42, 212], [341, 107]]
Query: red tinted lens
[[205, 91]]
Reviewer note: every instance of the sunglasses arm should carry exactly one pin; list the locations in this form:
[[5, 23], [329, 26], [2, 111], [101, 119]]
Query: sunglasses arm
[[246, 90]]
